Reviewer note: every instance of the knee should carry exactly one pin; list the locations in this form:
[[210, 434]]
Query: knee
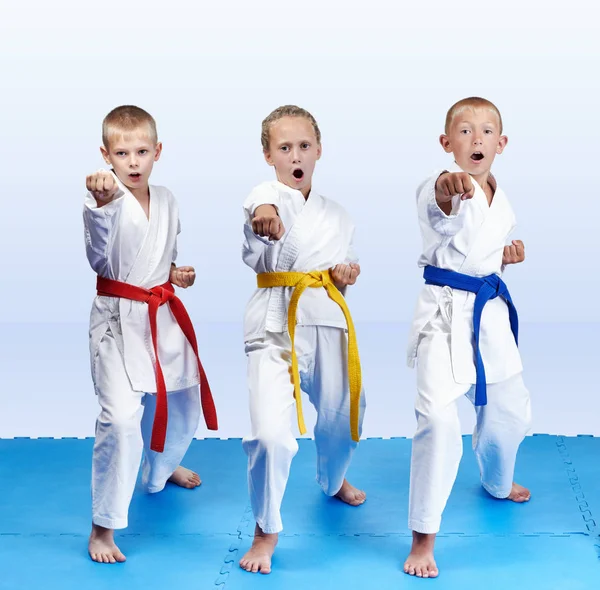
[[120, 425], [512, 418], [505, 431], [518, 423], [272, 443], [438, 423]]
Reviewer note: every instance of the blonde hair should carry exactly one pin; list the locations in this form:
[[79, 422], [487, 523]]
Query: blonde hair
[[289, 110], [473, 102], [125, 119]]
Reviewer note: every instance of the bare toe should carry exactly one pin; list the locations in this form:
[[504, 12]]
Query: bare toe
[[519, 494], [185, 478], [350, 495]]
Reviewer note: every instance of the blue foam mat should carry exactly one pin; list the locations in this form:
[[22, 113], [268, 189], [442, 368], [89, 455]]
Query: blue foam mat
[[58, 471], [214, 507], [153, 562], [195, 538], [581, 461], [539, 467], [50, 481], [465, 562], [381, 468]]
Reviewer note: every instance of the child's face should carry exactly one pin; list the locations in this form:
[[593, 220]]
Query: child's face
[[474, 139], [293, 152], [132, 155]]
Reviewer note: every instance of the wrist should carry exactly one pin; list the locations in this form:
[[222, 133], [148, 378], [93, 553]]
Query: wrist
[[101, 202]]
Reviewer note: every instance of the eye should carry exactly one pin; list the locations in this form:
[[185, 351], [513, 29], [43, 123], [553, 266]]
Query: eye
[[284, 148], [489, 131], [143, 152], [465, 131], [305, 145]]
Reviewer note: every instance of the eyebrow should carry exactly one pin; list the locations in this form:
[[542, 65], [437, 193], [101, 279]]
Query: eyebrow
[[284, 142], [123, 149]]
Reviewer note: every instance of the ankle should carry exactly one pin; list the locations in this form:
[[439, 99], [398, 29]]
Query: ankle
[[424, 540], [101, 531], [260, 534]]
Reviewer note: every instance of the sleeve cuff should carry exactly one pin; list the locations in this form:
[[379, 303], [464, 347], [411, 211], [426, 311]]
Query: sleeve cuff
[[263, 194], [110, 208]]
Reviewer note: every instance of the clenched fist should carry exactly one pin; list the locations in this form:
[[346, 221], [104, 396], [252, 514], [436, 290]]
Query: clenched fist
[[182, 276], [345, 274], [514, 253], [453, 183], [103, 186], [267, 223]]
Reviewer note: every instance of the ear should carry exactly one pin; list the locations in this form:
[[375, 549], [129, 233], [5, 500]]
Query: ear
[[268, 158], [319, 151], [105, 155], [501, 144], [445, 143], [158, 151]]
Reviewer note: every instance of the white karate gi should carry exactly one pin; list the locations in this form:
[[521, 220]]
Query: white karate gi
[[318, 235], [122, 244], [471, 241]]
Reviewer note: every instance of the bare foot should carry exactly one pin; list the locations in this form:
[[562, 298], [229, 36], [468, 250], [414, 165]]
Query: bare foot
[[185, 478], [101, 546], [519, 494], [349, 494], [258, 558], [420, 562]]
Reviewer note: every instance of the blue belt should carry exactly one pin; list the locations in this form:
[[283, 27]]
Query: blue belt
[[485, 289]]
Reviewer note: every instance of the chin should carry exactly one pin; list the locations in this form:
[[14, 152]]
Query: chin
[[475, 170]]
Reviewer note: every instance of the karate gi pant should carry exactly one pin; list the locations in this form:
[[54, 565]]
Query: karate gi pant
[[123, 434], [322, 361], [437, 445]]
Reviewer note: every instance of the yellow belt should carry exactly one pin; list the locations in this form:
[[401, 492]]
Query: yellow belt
[[300, 281]]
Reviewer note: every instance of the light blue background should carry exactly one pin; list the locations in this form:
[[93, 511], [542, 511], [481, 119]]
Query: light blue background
[[379, 84]]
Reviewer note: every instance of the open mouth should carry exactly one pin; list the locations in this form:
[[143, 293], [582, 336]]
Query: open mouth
[[135, 175], [298, 174], [477, 156]]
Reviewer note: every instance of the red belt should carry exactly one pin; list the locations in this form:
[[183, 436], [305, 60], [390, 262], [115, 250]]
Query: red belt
[[156, 297]]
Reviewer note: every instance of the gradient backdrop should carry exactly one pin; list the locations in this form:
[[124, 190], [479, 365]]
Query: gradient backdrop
[[379, 79]]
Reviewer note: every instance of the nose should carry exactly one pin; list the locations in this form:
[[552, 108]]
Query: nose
[[133, 161], [477, 140], [295, 155]]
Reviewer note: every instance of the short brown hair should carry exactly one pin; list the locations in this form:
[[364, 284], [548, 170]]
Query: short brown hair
[[288, 110], [125, 119], [473, 102]]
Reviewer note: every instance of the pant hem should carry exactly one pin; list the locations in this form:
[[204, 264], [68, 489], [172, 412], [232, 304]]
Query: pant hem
[[110, 523], [425, 528], [269, 530], [326, 491], [499, 494]]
